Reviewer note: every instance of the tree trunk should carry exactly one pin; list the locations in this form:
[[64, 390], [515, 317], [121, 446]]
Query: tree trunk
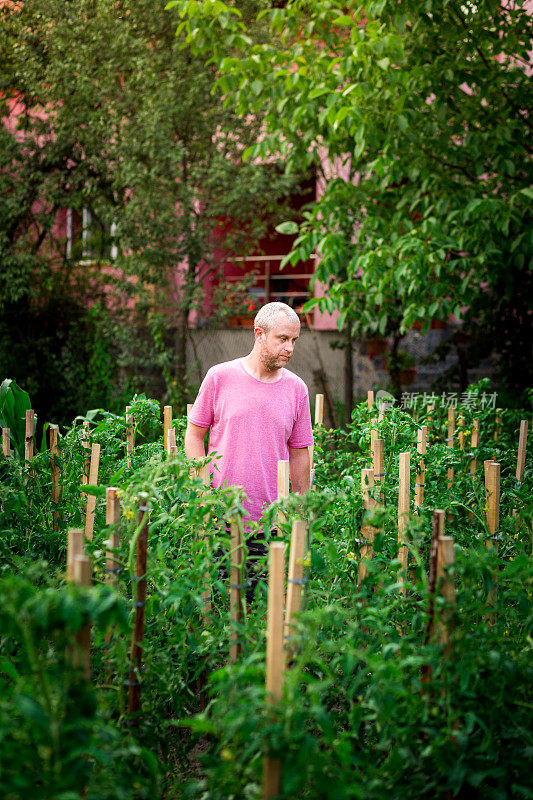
[[348, 376]]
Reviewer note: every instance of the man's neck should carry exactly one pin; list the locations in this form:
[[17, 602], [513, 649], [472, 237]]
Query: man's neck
[[255, 367]]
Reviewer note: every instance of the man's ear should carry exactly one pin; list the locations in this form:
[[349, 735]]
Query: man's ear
[[258, 333]]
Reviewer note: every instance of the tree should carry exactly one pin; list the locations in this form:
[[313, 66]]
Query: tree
[[117, 116], [425, 105]]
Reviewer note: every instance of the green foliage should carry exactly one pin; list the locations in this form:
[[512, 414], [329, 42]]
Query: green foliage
[[373, 705], [14, 402], [413, 114]]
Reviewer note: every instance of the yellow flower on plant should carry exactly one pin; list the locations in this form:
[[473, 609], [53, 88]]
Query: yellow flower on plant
[[350, 556], [307, 560], [128, 514], [226, 754]]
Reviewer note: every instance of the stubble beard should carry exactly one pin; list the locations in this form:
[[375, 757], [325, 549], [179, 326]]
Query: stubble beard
[[273, 363]]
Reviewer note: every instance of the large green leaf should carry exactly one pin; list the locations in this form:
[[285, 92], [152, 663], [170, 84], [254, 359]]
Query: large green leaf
[[14, 402]]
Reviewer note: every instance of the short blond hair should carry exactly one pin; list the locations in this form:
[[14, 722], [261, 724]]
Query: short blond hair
[[266, 316]]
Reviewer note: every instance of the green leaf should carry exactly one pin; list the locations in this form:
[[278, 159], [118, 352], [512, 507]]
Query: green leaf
[[289, 227]]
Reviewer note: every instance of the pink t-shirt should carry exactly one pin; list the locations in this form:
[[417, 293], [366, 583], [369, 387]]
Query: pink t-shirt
[[253, 424]]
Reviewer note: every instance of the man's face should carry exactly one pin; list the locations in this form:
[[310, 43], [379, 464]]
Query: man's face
[[276, 347]]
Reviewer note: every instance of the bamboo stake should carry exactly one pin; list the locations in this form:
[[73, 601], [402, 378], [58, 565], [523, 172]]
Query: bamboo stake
[[86, 444], [129, 435], [75, 547], [404, 490], [112, 517], [274, 654], [370, 399], [295, 581], [319, 409], [134, 694], [91, 499], [235, 592], [167, 425], [30, 431], [445, 560], [82, 654], [54, 430], [6, 440], [367, 531], [283, 485], [451, 433], [474, 446], [421, 445]]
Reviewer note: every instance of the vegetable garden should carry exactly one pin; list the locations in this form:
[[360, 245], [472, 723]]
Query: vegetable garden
[[388, 654]]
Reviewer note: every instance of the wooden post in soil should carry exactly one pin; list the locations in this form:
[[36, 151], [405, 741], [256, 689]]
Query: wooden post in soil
[[374, 434], [378, 464], [295, 580], [497, 425], [235, 592], [6, 441], [474, 445], [445, 560], [91, 499], [492, 493], [461, 432], [274, 655], [112, 517], [75, 547], [82, 651], [134, 683], [421, 445], [30, 431], [370, 399], [129, 435], [449, 441], [167, 425], [87, 446], [404, 492], [54, 430], [283, 485], [367, 531], [521, 459], [171, 446], [319, 409]]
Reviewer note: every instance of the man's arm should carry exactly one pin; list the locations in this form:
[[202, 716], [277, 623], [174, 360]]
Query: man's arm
[[194, 441], [299, 466]]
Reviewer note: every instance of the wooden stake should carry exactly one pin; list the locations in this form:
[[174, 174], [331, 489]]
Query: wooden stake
[[54, 430], [374, 434], [521, 460], [367, 531], [445, 559], [167, 425], [274, 654], [86, 444], [112, 517], [205, 476], [474, 446], [6, 441], [421, 476], [319, 409], [370, 399], [498, 425], [75, 547], [129, 435], [492, 486], [30, 431], [404, 491], [461, 432], [82, 654], [451, 433], [378, 463], [283, 485], [296, 572], [171, 446], [235, 592], [134, 694], [91, 498]]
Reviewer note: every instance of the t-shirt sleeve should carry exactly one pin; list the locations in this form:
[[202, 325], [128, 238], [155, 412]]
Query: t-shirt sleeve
[[202, 412], [302, 432]]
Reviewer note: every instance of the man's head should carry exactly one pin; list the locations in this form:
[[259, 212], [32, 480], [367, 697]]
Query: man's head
[[276, 329]]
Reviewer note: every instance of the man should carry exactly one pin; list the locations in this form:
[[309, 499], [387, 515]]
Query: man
[[258, 414]]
